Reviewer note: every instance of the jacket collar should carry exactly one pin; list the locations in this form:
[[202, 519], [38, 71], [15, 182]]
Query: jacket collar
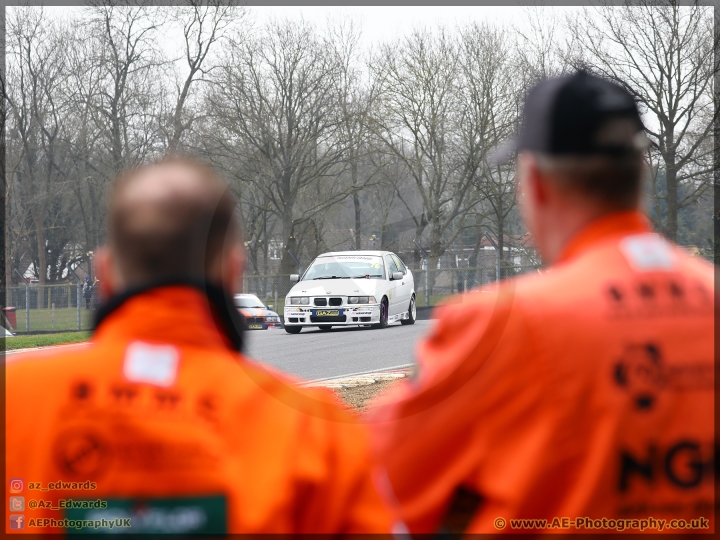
[[183, 312], [612, 225]]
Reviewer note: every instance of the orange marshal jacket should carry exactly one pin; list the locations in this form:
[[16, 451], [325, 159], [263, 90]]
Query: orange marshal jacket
[[586, 392], [158, 421]]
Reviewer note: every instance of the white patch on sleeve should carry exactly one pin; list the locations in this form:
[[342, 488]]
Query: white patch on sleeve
[[648, 251], [154, 364]]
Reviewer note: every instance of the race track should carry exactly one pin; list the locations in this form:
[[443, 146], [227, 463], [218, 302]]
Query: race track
[[314, 354]]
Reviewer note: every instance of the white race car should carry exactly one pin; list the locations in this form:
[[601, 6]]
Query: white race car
[[351, 288]]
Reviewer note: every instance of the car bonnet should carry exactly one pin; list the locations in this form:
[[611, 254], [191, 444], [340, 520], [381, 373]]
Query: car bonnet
[[339, 287]]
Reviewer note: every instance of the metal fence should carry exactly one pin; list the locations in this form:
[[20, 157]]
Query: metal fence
[[57, 308], [51, 308], [433, 286], [430, 286]]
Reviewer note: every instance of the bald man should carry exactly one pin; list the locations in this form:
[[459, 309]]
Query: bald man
[[161, 425]]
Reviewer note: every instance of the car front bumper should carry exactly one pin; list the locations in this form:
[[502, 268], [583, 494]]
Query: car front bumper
[[348, 315], [263, 326]]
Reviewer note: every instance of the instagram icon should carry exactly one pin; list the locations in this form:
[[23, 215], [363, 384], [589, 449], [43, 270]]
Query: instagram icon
[[16, 485]]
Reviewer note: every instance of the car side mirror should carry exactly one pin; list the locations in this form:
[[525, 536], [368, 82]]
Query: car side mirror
[[269, 306], [294, 277], [397, 275]]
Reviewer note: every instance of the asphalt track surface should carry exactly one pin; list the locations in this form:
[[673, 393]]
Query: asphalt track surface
[[314, 354]]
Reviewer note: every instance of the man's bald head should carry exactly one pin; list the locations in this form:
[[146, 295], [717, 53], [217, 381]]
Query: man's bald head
[[170, 219]]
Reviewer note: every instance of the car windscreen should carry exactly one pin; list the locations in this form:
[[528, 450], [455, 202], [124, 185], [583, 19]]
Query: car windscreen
[[248, 302], [346, 267]]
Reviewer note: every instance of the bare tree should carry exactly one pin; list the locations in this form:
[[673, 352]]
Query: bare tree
[[356, 96], [416, 121], [663, 53], [116, 70], [204, 27], [36, 68], [276, 105], [537, 52], [490, 100], [128, 56]]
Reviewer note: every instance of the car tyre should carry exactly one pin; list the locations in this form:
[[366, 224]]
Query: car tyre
[[325, 328], [293, 329], [412, 310], [383, 315]]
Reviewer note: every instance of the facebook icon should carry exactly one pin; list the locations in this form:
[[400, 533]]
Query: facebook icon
[[17, 521]]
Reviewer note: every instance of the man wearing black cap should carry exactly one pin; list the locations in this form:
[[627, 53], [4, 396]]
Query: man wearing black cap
[[576, 401]]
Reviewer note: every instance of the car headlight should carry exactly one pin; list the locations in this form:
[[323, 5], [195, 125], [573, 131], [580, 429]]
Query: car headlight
[[361, 300], [272, 318], [299, 300]]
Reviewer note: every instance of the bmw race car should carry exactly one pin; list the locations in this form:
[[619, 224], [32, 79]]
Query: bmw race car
[[256, 315], [346, 288]]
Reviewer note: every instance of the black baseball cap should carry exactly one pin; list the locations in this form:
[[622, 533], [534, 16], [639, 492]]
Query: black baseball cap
[[572, 116]]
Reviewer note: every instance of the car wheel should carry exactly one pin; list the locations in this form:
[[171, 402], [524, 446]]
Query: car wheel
[[383, 314], [293, 329], [325, 328], [412, 310]]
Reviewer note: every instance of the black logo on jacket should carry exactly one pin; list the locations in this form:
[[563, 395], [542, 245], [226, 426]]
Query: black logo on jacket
[[640, 371], [643, 372]]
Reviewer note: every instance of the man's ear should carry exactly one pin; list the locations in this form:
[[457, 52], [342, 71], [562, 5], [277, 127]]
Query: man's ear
[[106, 272], [537, 184], [233, 268]]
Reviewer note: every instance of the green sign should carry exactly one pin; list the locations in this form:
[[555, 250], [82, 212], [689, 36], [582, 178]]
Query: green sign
[[176, 516]]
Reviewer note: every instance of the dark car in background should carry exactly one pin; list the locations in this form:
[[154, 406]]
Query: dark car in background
[[257, 315]]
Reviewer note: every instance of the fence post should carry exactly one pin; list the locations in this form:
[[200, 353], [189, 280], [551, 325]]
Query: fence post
[[53, 315], [27, 306], [427, 283], [276, 284], [79, 301]]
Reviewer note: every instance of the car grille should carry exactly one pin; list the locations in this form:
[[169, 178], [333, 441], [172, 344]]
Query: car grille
[[254, 320], [341, 318], [324, 301]]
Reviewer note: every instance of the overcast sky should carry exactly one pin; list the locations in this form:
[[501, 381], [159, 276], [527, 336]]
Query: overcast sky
[[385, 23]]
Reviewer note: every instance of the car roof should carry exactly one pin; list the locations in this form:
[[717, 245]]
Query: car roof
[[372, 253]]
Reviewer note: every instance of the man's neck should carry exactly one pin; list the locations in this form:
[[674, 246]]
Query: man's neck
[[574, 219]]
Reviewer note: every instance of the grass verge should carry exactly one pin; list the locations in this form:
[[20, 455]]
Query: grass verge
[[43, 340]]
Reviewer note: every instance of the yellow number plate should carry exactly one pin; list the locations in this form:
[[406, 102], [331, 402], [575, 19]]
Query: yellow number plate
[[255, 327], [327, 313]]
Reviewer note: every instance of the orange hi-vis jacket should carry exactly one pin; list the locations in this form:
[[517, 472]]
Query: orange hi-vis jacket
[[158, 424], [584, 393]]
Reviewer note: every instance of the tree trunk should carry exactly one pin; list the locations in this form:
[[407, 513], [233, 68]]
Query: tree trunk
[[435, 253], [356, 201], [358, 224], [671, 184], [7, 255], [42, 260], [472, 277], [501, 248], [287, 264]]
